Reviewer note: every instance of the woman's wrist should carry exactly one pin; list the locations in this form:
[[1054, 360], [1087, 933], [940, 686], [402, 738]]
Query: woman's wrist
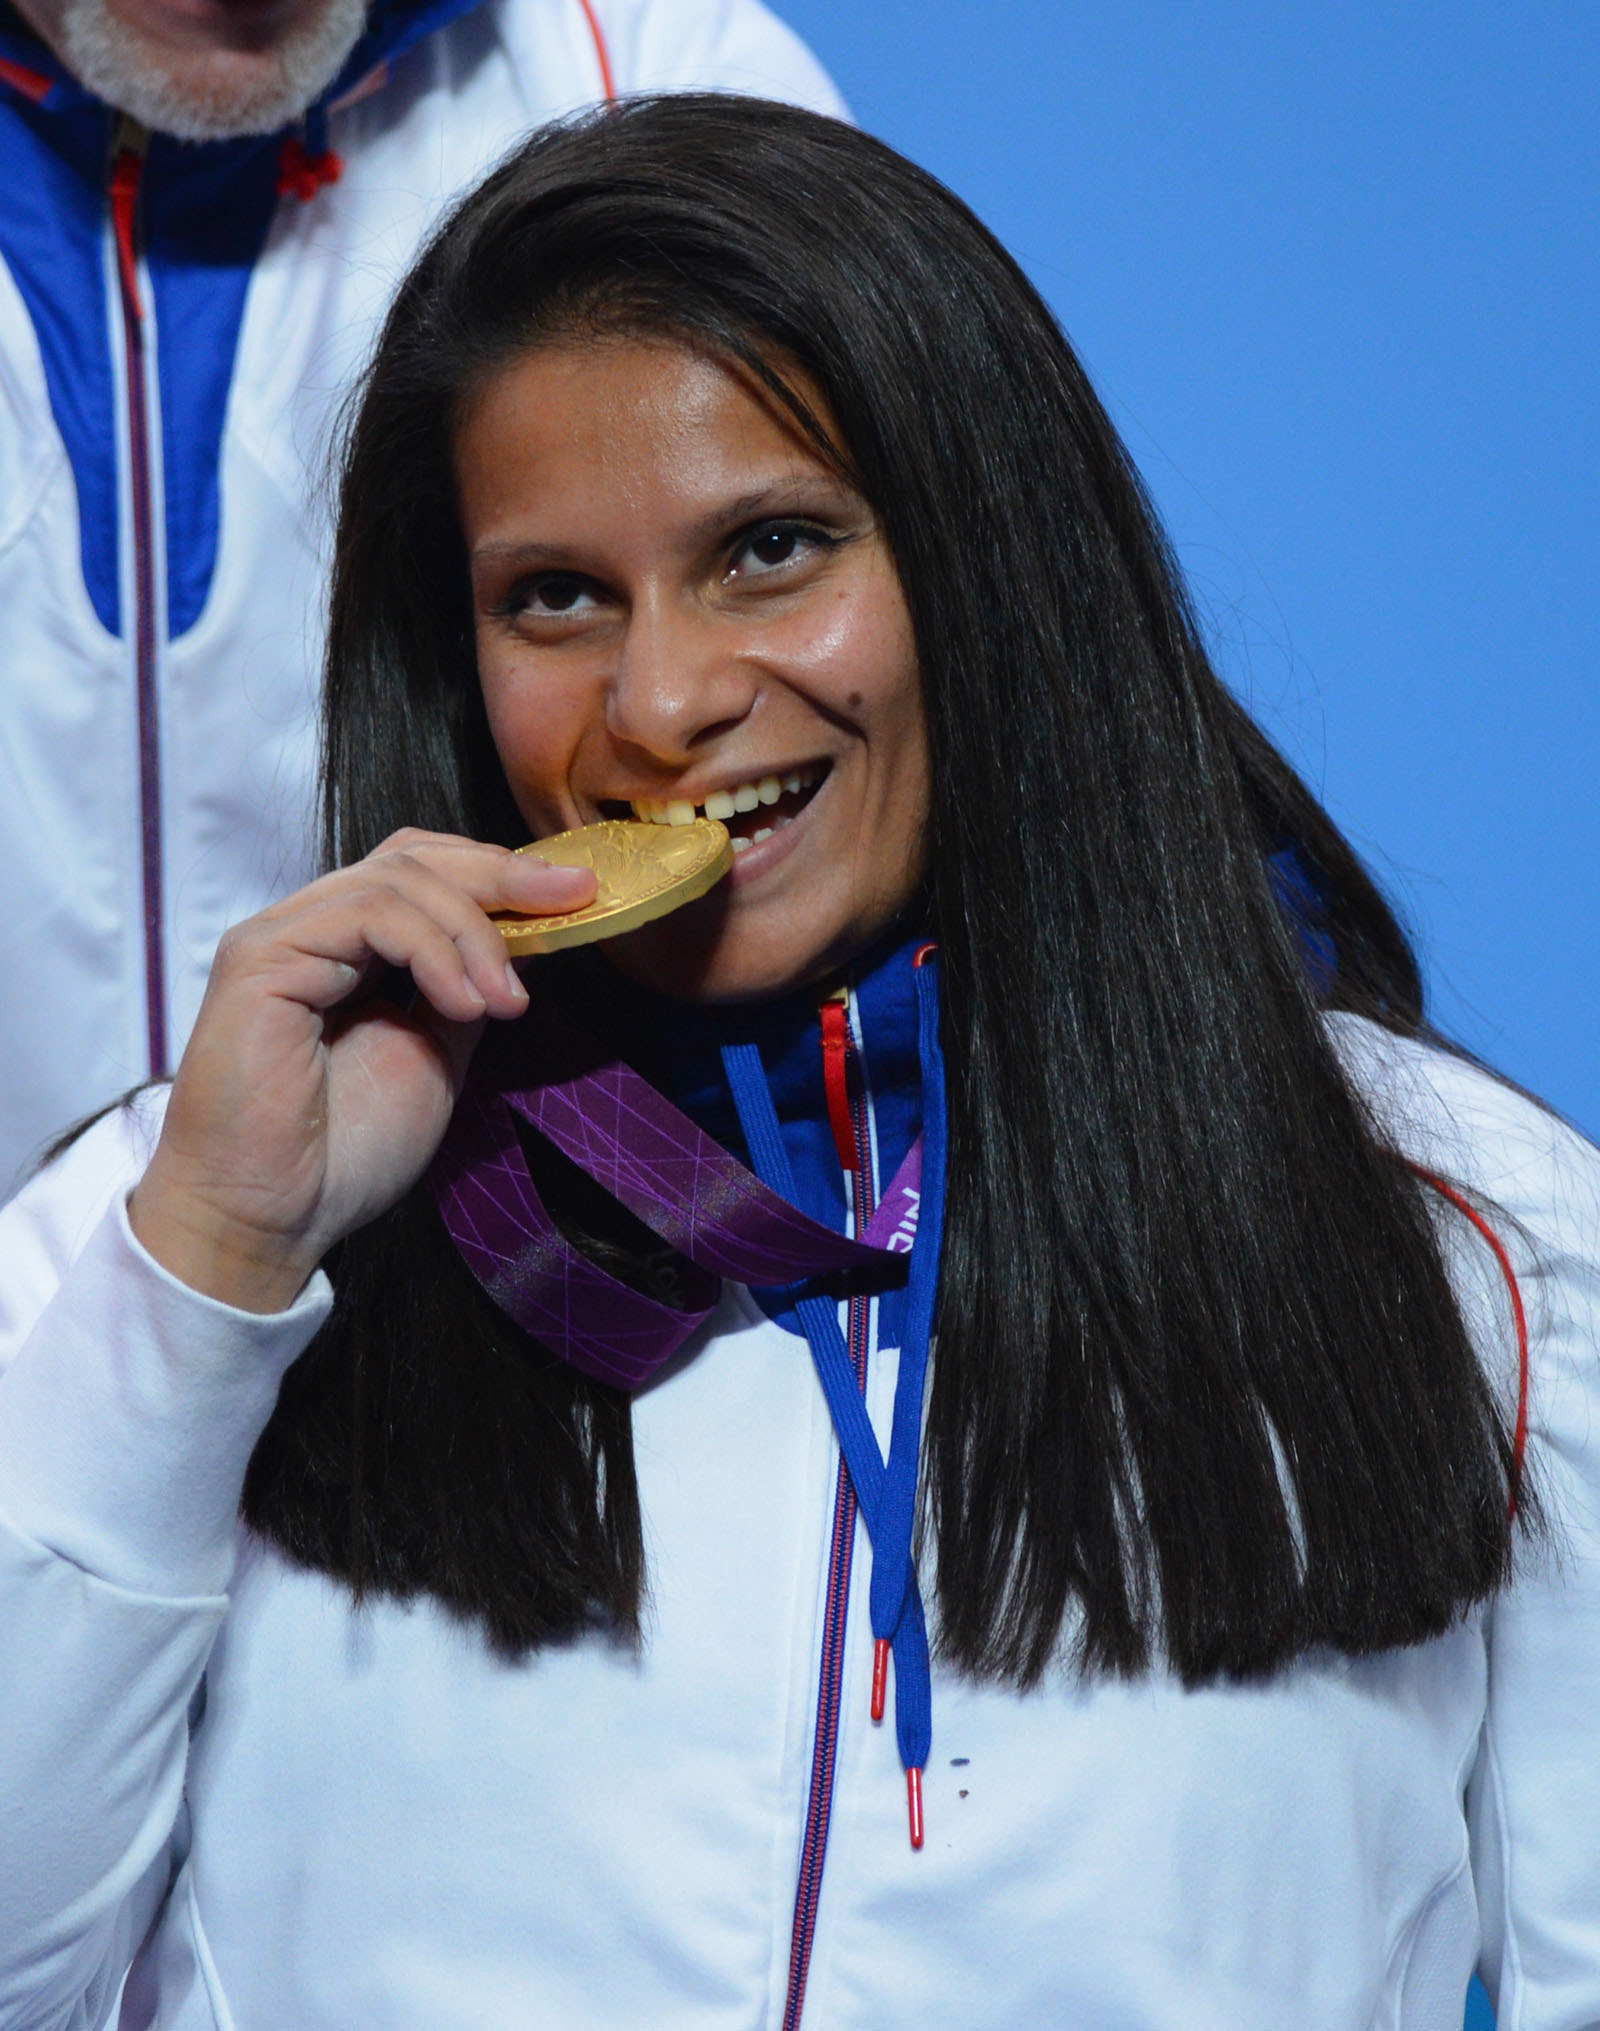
[[215, 1254]]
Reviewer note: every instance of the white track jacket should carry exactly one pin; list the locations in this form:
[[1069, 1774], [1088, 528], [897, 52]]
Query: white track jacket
[[163, 533], [322, 1820]]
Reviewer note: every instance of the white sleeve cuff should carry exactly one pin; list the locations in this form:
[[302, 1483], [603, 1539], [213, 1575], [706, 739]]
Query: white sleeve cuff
[[128, 1418]]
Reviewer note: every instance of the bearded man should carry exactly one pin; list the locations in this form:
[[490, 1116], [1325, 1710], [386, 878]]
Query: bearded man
[[204, 207]]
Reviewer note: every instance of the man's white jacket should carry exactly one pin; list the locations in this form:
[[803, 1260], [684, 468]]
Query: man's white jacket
[[341, 1819], [163, 458]]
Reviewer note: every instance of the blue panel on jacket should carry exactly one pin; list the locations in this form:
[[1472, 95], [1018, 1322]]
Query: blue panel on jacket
[[206, 214], [53, 166]]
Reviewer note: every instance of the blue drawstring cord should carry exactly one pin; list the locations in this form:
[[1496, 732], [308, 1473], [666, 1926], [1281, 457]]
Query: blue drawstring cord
[[886, 1492]]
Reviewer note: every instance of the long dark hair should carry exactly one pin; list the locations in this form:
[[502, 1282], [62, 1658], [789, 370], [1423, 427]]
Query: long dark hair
[[1200, 1392]]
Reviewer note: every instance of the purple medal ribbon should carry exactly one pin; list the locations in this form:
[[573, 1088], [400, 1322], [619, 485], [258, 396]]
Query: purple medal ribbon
[[632, 1141]]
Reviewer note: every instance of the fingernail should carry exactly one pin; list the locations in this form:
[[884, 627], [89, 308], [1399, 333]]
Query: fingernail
[[473, 993], [514, 982]]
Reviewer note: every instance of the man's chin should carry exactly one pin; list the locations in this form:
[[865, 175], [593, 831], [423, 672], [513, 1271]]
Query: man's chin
[[199, 93]]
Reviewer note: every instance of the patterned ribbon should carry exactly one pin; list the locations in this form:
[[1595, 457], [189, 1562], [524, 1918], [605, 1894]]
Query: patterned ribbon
[[634, 1143]]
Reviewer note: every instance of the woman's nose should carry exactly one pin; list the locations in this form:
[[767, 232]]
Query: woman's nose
[[679, 683]]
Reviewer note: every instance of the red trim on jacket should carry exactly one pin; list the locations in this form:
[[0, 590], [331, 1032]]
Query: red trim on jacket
[[1519, 1442], [32, 84], [608, 82]]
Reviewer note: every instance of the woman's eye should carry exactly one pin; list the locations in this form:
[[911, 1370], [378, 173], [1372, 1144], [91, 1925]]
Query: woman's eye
[[552, 593], [774, 546], [559, 594]]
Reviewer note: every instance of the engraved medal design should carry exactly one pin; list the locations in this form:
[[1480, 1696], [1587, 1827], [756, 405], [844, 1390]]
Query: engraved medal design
[[644, 871]]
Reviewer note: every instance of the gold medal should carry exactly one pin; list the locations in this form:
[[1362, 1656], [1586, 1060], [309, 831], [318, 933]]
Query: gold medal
[[644, 872]]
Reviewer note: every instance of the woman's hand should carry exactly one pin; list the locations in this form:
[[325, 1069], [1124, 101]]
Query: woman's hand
[[304, 1108]]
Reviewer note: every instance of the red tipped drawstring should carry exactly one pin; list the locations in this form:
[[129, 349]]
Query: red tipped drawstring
[[835, 1018], [302, 174], [835, 1080], [880, 1676]]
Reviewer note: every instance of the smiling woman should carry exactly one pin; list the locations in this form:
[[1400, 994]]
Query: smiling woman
[[682, 605], [949, 1434]]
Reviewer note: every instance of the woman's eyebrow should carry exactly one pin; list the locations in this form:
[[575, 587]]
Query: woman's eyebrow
[[800, 494], [777, 494], [550, 556]]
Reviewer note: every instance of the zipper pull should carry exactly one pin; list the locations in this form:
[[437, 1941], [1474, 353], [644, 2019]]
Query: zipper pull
[[835, 1081], [127, 167]]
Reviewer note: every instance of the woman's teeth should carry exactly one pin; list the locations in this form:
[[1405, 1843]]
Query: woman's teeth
[[731, 805]]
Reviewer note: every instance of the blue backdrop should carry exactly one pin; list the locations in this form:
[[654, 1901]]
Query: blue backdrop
[[1334, 272]]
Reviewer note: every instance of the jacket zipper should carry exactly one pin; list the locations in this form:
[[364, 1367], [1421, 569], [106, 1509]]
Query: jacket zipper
[[847, 1109], [127, 169]]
